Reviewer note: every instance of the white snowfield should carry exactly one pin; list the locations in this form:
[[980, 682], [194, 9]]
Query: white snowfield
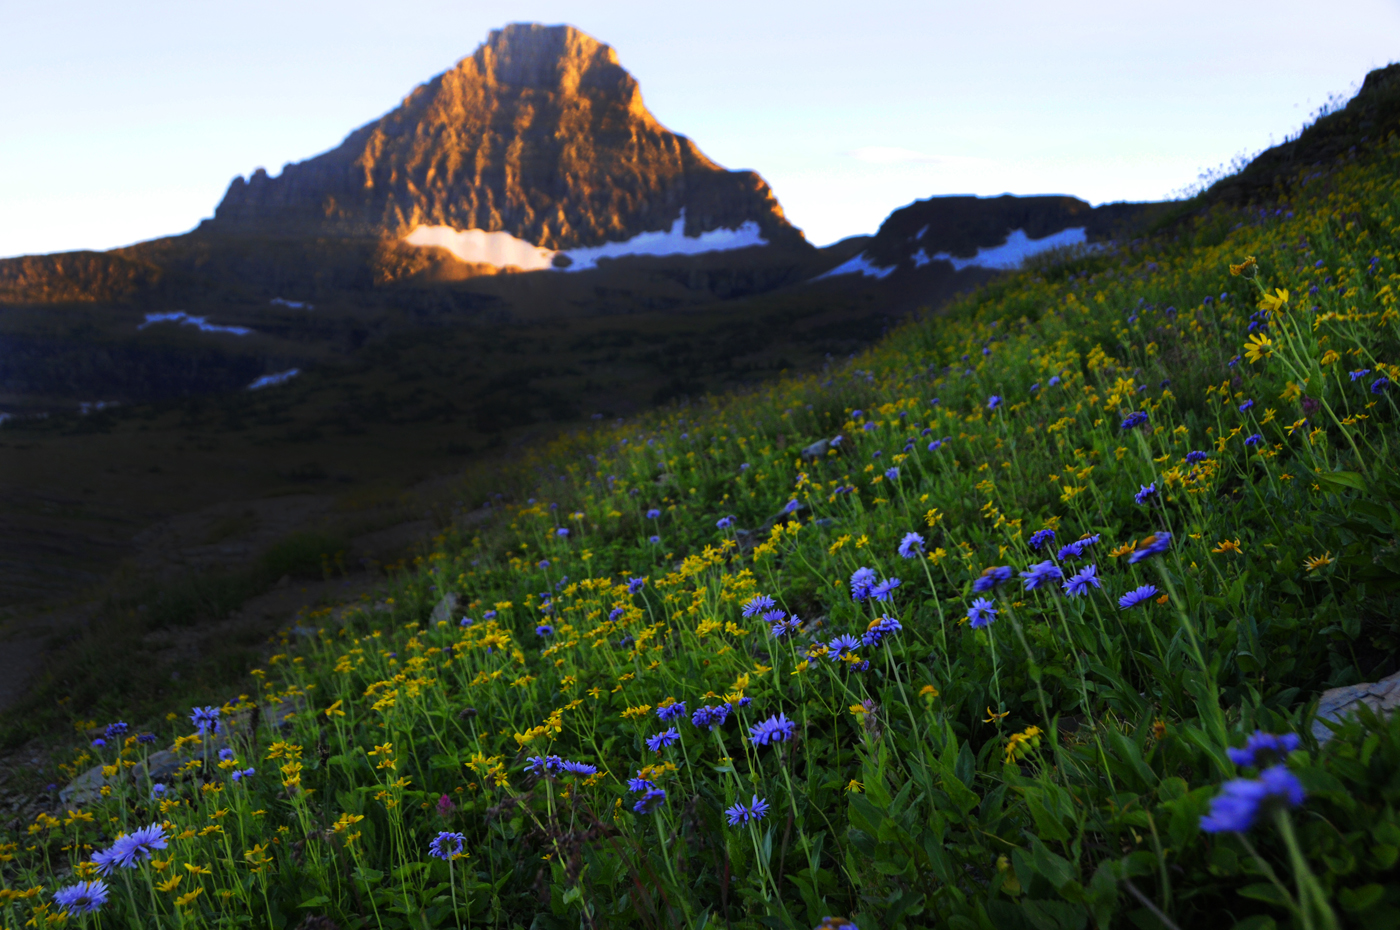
[[1017, 248], [502, 250], [293, 304], [861, 264], [282, 377], [199, 322]]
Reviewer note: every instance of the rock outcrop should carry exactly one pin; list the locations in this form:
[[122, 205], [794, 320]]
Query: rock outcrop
[[540, 133]]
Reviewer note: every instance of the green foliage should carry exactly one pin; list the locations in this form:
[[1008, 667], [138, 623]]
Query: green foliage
[[1046, 770]]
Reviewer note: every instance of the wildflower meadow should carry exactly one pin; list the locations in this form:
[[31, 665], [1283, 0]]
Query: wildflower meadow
[[1018, 620]]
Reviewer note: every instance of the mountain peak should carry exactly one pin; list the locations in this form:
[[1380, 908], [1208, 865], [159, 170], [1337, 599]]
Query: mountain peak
[[539, 133]]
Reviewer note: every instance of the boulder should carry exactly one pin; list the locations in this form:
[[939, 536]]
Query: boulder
[[1383, 697]]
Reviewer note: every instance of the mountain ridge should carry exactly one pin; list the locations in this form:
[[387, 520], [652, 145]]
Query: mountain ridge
[[540, 133]]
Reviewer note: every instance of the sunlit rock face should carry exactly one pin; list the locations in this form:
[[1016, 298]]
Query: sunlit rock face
[[540, 134]]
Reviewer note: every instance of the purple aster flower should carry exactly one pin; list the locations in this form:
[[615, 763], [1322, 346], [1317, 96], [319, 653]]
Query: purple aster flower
[[635, 584], [82, 898], [911, 545], [1262, 749], [1075, 550], [756, 811], [991, 577], [1145, 493], [447, 846], [1054, 380], [105, 860], [99, 743], [1153, 545], [562, 531], [116, 730], [885, 589], [994, 402], [225, 754], [655, 540], [653, 513], [489, 615], [650, 801], [792, 505], [1137, 597], [840, 646], [724, 523], [1254, 440], [1040, 573], [1133, 420], [757, 605], [548, 766], [935, 445], [543, 563], [639, 784], [1244, 407], [982, 613], [1195, 458], [578, 768], [671, 711], [1079, 583], [240, 774], [661, 740], [138, 847], [778, 729], [466, 621], [1360, 373], [879, 629], [892, 474], [1240, 801], [1040, 538], [710, 717], [615, 613], [862, 580], [146, 738], [544, 629], [204, 718], [158, 791], [782, 628], [1379, 385]]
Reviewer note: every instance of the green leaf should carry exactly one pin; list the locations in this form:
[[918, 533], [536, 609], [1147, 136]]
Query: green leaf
[[1340, 480], [319, 901], [1264, 891], [1355, 900]]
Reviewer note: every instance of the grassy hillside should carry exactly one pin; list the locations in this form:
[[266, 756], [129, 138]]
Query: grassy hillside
[[986, 661]]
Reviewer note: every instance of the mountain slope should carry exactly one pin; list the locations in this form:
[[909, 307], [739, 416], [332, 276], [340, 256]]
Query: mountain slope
[[540, 133]]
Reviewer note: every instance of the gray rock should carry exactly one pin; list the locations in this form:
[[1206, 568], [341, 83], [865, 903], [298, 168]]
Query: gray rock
[[84, 789], [446, 608], [1383, 697], [817, 449]]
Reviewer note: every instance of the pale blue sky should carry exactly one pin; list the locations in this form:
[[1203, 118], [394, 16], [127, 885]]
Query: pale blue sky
[[126, 121]]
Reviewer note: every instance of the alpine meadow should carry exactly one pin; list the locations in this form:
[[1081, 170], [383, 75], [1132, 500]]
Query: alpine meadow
[[1020, 620]]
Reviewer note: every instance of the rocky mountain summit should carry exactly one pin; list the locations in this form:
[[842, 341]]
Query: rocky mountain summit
[[540, 133]]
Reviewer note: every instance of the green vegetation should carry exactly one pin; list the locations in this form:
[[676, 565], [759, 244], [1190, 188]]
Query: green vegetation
[[591, 714]]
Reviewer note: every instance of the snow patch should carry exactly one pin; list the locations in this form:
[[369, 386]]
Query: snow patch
[[501, 249], [282, 377], [199, 322], [478, 247], [669, 242], [920, 258], [294, 304], [920, 234], [1017, 248], [861, 264], [93, 406]]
